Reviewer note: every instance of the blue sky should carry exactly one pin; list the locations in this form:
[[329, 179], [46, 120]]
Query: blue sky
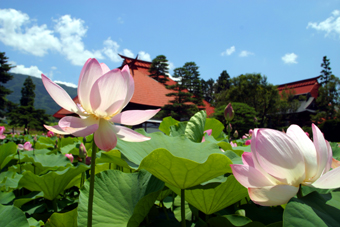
[[284, 40]]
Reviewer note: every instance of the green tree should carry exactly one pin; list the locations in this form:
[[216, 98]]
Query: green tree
[[208, 90], [4, 77], [192, 82], [222, 83], [26, 115], [328, 102], [180, 107], [159, 69], [256, 92], [27, 93]]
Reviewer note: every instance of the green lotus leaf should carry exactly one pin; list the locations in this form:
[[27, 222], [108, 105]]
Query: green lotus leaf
[[120, 199], [6, 197], [185, 172], [44, 142], [9, 180], [12, 216], [178, 129], [6, 153], [166, 123], [27, 198], [51, 183], [69, 146], [212, 197], [233, 220], [195, 126], [313, 210], [34, 223], [179, 146], [68, 219], [113, 156], [216, 126]]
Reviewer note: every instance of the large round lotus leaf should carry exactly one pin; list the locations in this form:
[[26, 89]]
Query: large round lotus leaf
[[51, 183], [113, 156], [120, 199], [6, 152], [213, 197], [68, 219], [179, 146], [183, 173], [12, 216], [313, 210]]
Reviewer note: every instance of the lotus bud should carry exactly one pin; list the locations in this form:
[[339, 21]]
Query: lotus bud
[[229, 112], [235, 134], [69, 156], [229, 128], [82, 151], [50, 134], [250, 132], [88, 161], [248, 142]]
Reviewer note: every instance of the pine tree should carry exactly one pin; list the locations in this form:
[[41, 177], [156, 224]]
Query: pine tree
[[192, 82], [159, 69], [180, 107], [27, 93], [25, 114], [222, 82], [326, 71], [4, 77]]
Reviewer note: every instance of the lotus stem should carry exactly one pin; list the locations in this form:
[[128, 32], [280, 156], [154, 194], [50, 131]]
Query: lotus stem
[[183, 208], [55, 205], [93, 173]]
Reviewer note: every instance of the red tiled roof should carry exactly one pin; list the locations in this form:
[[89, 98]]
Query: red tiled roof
[[302, 87], [148, 91]]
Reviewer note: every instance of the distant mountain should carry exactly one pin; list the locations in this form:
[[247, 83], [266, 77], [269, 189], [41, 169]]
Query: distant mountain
[[42, 99]]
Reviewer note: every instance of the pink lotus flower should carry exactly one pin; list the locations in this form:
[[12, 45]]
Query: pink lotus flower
[[2, 130], [280, 162], [70, 156], [50, 134], [102, 94], [233, 144], [27, 146], [244, 137], [248, 142]]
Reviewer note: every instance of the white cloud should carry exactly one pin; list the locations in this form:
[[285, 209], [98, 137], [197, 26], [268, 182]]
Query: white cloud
[[66, 83], [144, 56], [21, 69], [290, 58], [19, 31], [128, 53], [111, 50], [54, 68], [171, 65], [36, 40], [71, 32], [229, 51], [331, 25], [245, 53]]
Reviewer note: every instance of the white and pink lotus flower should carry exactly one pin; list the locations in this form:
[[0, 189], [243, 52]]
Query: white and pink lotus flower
[[280, 162], [103, 94]]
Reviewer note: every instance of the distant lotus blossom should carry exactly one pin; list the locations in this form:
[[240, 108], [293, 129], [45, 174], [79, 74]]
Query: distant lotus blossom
[[2, 130], [27, 146], [103, 94], [307, 134], [250, 132], [244, 137], [280, 162], [50, 134], [233, 144], [70, 156], [248, 142]]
